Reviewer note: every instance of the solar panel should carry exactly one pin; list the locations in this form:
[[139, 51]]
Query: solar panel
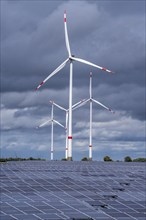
[[72, 190]]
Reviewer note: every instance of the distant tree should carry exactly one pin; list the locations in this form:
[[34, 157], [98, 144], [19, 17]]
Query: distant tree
[[30, 158], [139, 160], [84, 159], [3, 160], [107, 158], [64, 159], [127, 159]]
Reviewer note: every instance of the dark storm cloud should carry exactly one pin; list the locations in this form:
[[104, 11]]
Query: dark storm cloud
[[35, 45], [125, 97], [119, 7]]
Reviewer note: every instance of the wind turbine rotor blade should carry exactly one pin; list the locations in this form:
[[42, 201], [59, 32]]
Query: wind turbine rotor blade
[[53, 73], [78, 103], [90, 86], [41, 125], [81, 104], [90, 64], [99, 103], [60, 107], [66, 35], [59, 123], [73, 106]]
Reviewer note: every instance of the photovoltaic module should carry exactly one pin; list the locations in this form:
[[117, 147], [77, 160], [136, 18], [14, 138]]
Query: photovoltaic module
[[56, 190]]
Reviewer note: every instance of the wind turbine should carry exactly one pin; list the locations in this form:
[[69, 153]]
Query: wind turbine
[[52, 120], [91, 100], [70, 59], [66, 121]]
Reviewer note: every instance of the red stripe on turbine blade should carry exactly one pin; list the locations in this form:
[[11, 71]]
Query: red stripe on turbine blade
[[103, 68], [41, 83], [65, 16], [111, 111], [69, 137]]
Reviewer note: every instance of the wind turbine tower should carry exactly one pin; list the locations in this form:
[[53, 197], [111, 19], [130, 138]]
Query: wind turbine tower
[[91, 100], [52, 120]]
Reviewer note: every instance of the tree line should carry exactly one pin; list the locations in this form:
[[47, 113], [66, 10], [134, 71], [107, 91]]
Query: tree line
[[126, 159], [18, 159], [105, 158]]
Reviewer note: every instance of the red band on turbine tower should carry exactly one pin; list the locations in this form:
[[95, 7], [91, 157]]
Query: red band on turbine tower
[[90, 145], [69, 137]]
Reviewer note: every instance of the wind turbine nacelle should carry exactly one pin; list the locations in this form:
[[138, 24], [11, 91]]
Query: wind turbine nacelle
[[70, 58]]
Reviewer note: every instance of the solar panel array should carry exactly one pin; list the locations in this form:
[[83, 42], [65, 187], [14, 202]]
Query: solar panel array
[[56, 190]]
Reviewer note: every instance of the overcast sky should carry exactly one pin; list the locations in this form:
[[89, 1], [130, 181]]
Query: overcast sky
[[108, 33]]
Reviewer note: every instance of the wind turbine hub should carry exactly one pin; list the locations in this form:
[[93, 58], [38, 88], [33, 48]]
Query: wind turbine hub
[[70, 58]]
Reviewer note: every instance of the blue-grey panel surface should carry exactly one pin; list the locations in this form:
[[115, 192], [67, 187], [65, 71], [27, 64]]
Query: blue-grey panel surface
[[73, 190]]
